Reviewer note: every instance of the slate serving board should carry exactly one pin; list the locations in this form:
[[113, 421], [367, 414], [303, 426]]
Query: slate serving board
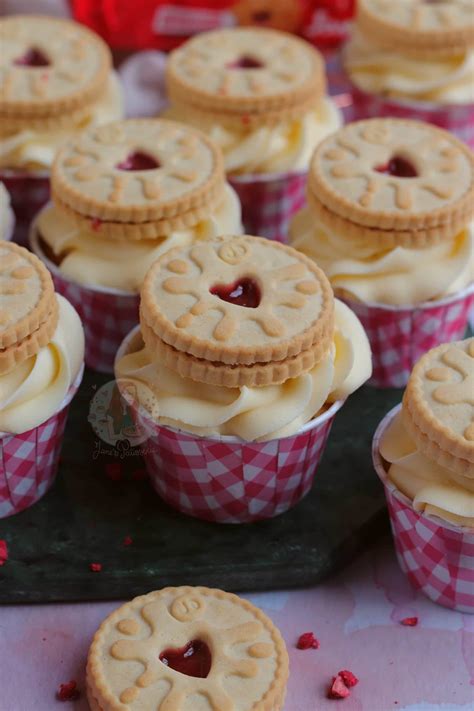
[[89, 511]]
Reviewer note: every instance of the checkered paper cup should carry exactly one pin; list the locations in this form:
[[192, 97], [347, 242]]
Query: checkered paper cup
[[457, 118], [29, 461], [106, 314], [270, 201], [399, 335], [226, 479], [29, 192], [436, 556]]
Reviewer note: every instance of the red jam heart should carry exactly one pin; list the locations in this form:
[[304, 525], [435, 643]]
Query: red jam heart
[[193, 660], [138, 161], [246, 62], [33, 58], [399, 167], [244, 292]]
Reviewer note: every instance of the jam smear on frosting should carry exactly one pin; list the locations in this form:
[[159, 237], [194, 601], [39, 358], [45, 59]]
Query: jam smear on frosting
[[399, 167], [193, 660], [246, 61], [33, 57], [244, 292], [138, 161]]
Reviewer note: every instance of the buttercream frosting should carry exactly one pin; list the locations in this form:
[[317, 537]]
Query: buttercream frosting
[[86, 257], [399, 276], [34, 150], [283, 146], [33, 391], [251, 413], [429, 485], [378, 70]]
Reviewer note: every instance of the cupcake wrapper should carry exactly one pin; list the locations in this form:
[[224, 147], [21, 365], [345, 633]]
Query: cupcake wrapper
[[107, 314], [29, 461], [28, 193], [270, 201], [437, 557], [400, 335], [225, 479], [459, 119]]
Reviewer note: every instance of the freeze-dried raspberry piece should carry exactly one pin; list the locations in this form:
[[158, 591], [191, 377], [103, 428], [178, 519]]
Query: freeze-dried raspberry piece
[[338, 690], [409, 621], [95, 567], [68, 691], [348, 678], [307, 641]]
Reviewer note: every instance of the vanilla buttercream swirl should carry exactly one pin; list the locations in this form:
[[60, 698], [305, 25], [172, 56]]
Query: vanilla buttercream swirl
[[88, 258], [284, 146], [379, 70], [251, 413], [399, 276], [33, 391], [430, 486], [34, 149]]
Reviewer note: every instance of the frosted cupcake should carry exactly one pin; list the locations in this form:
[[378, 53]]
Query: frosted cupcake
[[390, 220], [41, 360], [260, 95], [414, 59], [56, 79], [123, 194], [424, 454], [241, 342]]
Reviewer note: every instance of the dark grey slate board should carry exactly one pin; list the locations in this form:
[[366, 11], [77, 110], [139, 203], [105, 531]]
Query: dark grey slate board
[[86, 515]]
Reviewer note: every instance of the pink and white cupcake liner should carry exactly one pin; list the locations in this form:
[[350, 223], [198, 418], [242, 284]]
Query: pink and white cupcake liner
[[399, 335], [436, 556], [29, 461], [28, 193], [270, 201], [226, 479], [106, 314], [457, 118]]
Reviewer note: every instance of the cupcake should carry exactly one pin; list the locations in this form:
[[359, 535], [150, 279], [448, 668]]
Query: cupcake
[[240, 363], [124, 193], [390, 220], [41, 362], [7, 217], [414, 60], [424, 455], [260, 95], [198, 648], [56, 79]]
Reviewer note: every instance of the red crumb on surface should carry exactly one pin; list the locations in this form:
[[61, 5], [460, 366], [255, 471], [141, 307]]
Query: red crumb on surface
[[95, 567], [246, 120], [348, 678], [338, 690], [96, 224], [307, 641], [409, 621], [68, 691], [127, 541], [3, 552], [113, 471]]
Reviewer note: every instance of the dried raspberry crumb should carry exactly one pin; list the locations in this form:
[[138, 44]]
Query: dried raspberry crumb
[[409, 621], [307, 641], [127, 541], [96, 224], [95, 567], [113, 471], [68, 691], [348, 678], [3, 552], [338, 690]]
